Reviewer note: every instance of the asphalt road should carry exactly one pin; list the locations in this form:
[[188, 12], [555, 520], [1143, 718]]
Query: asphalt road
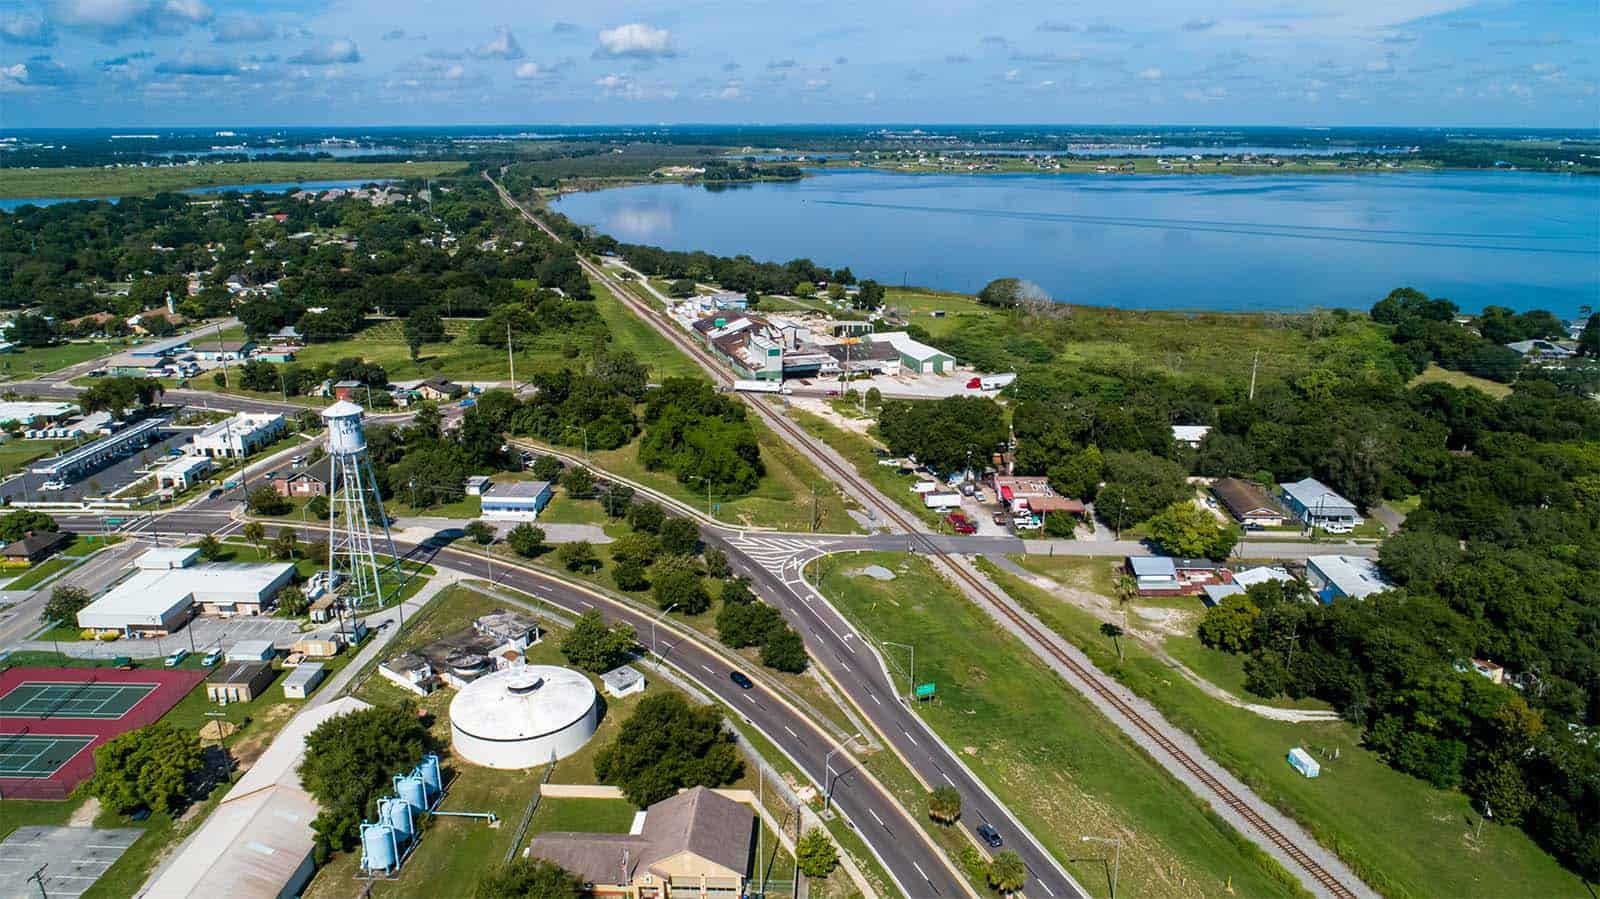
[[879, 819]]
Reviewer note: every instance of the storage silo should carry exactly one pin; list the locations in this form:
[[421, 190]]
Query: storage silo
[[523, 717], [412, 790], [431, 776], [378, 849], [397, 814]]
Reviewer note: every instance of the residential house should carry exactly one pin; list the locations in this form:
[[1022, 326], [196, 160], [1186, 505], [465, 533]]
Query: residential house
[[1248, 503], [1166, 576], [1542, 350], [1315, 503], [438, 390], [33, 548], [349, 391], [312, 480], [698, 843]]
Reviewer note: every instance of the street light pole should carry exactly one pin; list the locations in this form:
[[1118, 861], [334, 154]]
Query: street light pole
[[653, 620], [827, 769], [911, 688], [1116, 857]]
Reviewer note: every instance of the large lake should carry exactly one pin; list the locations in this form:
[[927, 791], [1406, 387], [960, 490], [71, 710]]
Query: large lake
[[1281, 242]]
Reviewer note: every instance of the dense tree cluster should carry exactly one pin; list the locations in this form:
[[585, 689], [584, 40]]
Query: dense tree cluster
[[1428, 331], [701, 436], [596, 647], [744, 621], [737, 273], [149, 768], [348, 762], [667, 744], [948, 435], [528, 878]]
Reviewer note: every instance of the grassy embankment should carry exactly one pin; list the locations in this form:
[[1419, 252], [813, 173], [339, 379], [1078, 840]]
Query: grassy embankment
[[1403, 836], [458, 850], [30, 362], [1046, 752], [1434, 374], [126, 182]]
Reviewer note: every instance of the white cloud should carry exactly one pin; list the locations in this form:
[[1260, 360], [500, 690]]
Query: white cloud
[[245, 29], [1379, 65], [13, 77], [1199, 24], [504, 46], [112, 20], [190, 63], [533, 70], [1013, 75], [635, 40], [731, 92], [816, 84], [1150, 74], [27, 28], [613, 82], [343, 50]]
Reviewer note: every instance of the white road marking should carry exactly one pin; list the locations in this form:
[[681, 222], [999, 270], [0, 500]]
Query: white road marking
[[708, 669], [1046, 887], [587, 603], [877, 819], [750, 699], [791, 731], [922, 872], [911, 738], [874, 698]]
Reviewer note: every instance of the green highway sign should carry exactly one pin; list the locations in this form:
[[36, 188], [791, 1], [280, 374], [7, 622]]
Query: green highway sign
[[924, 691]]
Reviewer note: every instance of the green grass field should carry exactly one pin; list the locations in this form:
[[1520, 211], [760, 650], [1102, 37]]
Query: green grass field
[[126, 182], [1433, 374], [15, 454], [1404, 837], [1048, 754], [30, 362], [858, 451], [37, 574], [917, 306]]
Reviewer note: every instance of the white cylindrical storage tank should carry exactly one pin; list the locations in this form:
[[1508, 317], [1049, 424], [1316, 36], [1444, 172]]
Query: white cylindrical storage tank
[[378, 847], [520, 717], [344, 428]]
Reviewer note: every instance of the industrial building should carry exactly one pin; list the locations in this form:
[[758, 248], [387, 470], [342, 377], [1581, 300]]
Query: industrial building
[[30, 414], [916, 356], [159, 596], [1352, 576], [91, 456], [516, 500], [257, 843], [240, 436], [697, 843], [523, 716]]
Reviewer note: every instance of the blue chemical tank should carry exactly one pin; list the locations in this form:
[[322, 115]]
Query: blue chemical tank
[[378, 847], [429, 769], [412, 790], [397, 814]]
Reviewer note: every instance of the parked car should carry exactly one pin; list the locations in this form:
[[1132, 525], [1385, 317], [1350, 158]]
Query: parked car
[[1000, 518], [212, 658], [739, 678], [53, 485], [988, 834], [175, 658]]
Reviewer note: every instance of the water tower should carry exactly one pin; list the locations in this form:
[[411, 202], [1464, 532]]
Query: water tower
[[353, 504]]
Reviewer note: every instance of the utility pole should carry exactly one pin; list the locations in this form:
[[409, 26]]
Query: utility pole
[[912, 688], [38, 877], [1116, 858], [511, 361]]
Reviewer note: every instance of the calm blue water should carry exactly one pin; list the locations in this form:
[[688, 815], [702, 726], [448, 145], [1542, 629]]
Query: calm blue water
[[1281, 242], [9, 205]]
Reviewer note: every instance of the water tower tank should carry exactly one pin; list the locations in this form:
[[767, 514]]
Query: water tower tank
[[377, 847], [344, 428], [397, 814], [429, 769], [411, 789]]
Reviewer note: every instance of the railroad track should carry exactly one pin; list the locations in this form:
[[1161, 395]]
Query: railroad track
[[1046, 642]]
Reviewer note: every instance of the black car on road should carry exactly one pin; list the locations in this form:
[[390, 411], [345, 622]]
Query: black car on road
[[988, 834], [739, 678]]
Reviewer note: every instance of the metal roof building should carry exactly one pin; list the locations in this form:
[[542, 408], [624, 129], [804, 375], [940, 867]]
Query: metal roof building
[[257, 843], [1352, 576]]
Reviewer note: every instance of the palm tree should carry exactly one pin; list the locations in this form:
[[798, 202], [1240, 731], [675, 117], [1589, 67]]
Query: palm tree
[[944, 804], [1127, 588], [1112, 631], [255, 532], [1007, 873]]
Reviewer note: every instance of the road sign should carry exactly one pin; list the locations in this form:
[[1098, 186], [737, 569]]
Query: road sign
[[925, 691]]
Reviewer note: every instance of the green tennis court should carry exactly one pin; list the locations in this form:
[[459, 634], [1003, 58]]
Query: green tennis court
[[54, 699], [38, 755]]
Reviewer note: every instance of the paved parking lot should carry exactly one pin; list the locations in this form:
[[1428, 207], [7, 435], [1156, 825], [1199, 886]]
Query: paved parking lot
[[73, 859], [26, 487]]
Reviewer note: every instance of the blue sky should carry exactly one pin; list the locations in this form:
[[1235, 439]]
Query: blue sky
[[370, 62]]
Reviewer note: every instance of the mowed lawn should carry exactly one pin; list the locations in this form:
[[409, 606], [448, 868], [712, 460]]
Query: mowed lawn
[[1406, 838], [29, 362], [1048, 754], [125, 182], [16, 454], [1433, 374]]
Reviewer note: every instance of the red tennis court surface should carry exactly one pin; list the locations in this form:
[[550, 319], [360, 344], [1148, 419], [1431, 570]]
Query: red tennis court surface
[[51, 720]]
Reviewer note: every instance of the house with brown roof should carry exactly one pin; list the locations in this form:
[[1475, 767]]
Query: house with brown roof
[[1248, 502], [32, 548], [698, 843], [312, 480], [439, 390]]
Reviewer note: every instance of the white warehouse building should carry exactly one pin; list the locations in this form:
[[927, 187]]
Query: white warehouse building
[[523, 716], [167, 586]]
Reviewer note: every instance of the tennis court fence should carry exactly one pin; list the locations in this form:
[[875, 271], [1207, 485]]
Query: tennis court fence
[[59, 785]]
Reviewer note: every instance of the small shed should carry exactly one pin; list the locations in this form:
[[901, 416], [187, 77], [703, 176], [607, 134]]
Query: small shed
[[252, 651], [303, 679], [625, 680], [317, 647], [1301, 761]]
